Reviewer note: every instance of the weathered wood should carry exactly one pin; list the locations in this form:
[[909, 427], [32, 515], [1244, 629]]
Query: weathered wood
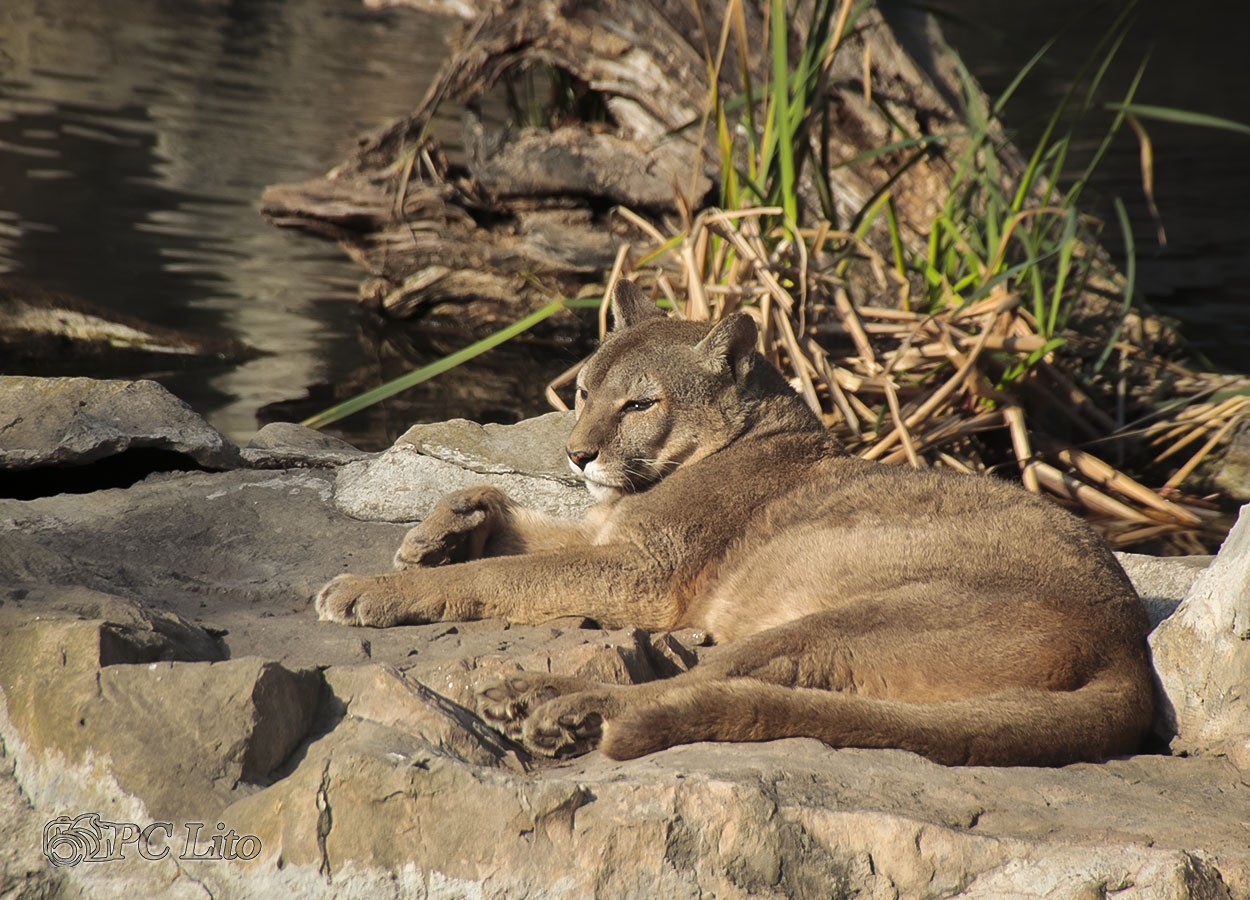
[[575, 162], [533, 205], [43, 332]]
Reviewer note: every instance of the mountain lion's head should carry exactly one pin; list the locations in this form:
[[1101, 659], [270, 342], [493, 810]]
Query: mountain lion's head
[[660, 393]]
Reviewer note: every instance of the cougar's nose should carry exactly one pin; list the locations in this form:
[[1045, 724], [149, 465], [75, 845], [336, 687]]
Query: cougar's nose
[[581, 458]]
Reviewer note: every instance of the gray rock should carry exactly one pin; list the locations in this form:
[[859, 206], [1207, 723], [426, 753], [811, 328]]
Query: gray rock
[[74, 421], [1202, 656], [1231, 475], [281, 445], [1162, 581], [403, 483], [534, 447]]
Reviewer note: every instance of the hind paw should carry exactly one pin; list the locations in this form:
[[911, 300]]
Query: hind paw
[[505, 704], [567, 726]]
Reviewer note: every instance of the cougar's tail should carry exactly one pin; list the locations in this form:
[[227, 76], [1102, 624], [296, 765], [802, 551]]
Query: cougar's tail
[[1106, 717]]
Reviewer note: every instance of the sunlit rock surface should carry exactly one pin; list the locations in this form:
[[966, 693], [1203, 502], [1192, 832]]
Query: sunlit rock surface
[[160, 663]]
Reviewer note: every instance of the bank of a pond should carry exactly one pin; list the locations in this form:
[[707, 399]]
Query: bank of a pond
[[134, 143]]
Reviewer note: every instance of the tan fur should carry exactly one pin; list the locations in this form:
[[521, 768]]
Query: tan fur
[[865, 605]]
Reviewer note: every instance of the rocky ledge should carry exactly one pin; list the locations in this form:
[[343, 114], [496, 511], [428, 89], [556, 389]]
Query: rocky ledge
[[176, 722]]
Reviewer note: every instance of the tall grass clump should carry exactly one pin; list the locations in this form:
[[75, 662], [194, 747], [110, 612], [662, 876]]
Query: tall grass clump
[[999, 343]]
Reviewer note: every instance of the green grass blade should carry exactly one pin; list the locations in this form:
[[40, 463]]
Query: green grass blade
[[667, 247], [865, 217], [1130, 281], [994, 228], [824, 187], [885, 149], [861, 220], [896, 238], [1096, 81], [425, 373], [1011, 88], [1180, 116], [759, 191], [1075, 191], [1006, 275], [782, 108], [1067, 245], [974, 105], [1098, 53], [730, 194], [760, 165]]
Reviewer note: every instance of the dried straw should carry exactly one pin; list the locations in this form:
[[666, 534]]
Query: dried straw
[[924, 387]]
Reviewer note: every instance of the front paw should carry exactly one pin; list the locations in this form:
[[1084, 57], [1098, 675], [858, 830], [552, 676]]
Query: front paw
[[456, 530], [365, 600]]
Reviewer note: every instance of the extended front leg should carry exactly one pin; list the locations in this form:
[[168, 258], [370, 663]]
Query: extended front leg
[[375, 600], [612, 585]]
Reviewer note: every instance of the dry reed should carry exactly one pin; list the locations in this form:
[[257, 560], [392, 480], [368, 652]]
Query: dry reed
[[937, 389]]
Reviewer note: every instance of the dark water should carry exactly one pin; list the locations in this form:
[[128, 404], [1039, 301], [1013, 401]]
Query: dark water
[[135, 139], [1195, 60], [137, 135]]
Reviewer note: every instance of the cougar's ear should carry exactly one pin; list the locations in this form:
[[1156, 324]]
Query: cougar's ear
[[730, 344], [631, 306]]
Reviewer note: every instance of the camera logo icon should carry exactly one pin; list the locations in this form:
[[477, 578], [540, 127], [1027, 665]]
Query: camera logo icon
[[68, 842]]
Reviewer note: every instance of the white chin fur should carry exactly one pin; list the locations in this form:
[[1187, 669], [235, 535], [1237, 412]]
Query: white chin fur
[[602, 492], [598, 489]]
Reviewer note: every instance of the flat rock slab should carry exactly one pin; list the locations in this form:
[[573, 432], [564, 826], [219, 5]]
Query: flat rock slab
[[160, 661], [526, 460], [241, 552], [534, 447], [75, 421]]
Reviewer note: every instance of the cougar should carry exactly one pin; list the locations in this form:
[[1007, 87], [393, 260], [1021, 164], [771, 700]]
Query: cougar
[[867, 605]]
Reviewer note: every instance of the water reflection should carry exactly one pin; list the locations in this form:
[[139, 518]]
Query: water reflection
[[136, 137]]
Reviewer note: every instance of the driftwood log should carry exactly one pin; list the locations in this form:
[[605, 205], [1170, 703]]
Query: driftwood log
[[47, 333], [525, 213]]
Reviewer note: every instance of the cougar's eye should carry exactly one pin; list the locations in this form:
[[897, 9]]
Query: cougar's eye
[[638, 405]]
